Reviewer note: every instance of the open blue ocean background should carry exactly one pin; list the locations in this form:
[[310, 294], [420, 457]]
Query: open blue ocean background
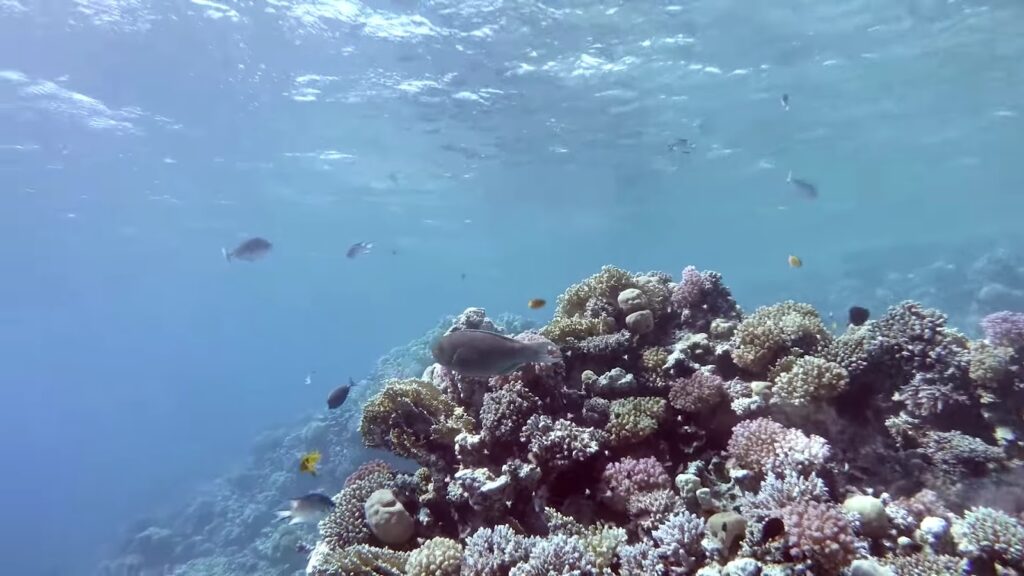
[[494, 151]]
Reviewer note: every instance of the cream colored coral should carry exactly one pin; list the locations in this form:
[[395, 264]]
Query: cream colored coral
[[437, 557], [809, 379]]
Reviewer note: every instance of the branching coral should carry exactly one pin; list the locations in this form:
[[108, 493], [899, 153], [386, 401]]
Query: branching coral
[[413, 419], [1004, 329], [990, 534], [346, 524], [702, 297], [558, 443], [809, 379], [821, 534], [771, 332], [634, 419], [763, 445], [505, 412], [698, 393]]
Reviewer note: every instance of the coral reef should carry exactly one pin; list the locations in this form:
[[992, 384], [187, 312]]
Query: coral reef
[[680, 437], [793, 449]]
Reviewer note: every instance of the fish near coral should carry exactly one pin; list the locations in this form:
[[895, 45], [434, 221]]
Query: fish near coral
[[481, 354], [338, 396], [536, 303], [308, 509], [309, 461]]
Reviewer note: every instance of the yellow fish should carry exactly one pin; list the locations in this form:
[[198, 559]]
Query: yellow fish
[[795, 261], [536, 303], [309, 461]]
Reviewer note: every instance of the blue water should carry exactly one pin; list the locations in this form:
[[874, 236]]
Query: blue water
[[519, 143]]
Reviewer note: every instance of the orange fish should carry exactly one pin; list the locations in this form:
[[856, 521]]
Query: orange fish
[[536, 303]]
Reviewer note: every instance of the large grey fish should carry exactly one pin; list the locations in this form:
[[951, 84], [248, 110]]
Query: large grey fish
[[251, 249], [308, 509], [479, 353]]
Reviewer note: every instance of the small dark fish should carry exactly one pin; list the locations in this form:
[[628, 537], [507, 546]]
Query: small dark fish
[[804, 187], [394, 252], [481, 354], [785, 101], [681, 144], [393, 177], [463, 275], [250, 250], [859, 315], [339, 395], [358, 248], [309, 509], [772, 528]]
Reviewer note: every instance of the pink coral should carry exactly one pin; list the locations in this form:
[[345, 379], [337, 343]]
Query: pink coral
[[366, 470], [629, 476], [764, 445], [1004, 329], [821, 534], [697, 393]]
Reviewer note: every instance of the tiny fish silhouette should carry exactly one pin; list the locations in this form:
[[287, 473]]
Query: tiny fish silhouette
[[250, 250], [339, 395], [795, 261], [859, 315], [804, 187], [785, 101], [358, 248], [481, 354], [536, 303]]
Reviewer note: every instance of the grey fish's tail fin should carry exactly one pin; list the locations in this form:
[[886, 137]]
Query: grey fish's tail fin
[[282, 514], [227, 255]]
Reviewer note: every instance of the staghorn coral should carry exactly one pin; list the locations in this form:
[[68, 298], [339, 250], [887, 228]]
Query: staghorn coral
[[772, 332], [495, 551], [698, 393], [558, 554], [413, 419], [778, 491], [634, 419], [809, 379], [701, 298]]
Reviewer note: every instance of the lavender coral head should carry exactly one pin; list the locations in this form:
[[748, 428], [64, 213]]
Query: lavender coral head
[[1004, 329]]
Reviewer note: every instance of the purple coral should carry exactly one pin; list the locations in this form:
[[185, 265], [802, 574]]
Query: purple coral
[[698, 393], [821, 534], [1004, 329], [701, 297], [629, 476]]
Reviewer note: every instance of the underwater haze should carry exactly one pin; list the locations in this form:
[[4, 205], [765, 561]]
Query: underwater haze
[[492, 151]]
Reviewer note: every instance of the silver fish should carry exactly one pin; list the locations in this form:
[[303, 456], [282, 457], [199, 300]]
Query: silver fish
[[804, 187], [358, 248], [308, 509], [479, 353], [250, 250]]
